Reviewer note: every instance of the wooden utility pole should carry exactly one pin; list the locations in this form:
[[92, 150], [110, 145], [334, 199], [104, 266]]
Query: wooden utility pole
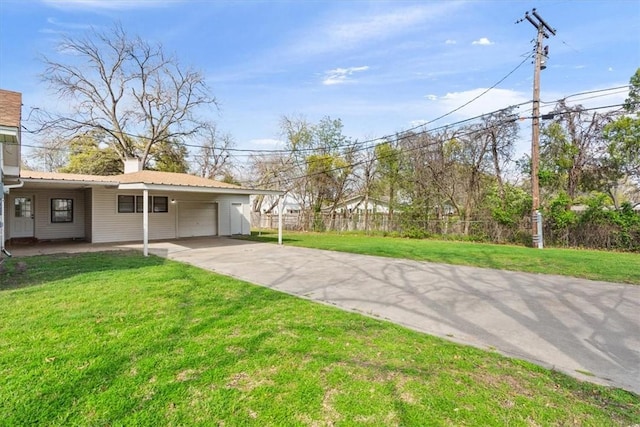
[[543, 32]]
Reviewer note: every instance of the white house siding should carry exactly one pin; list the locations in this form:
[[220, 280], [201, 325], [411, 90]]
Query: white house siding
[[359, 206], [44, 229], [88, 198], [107, 225]]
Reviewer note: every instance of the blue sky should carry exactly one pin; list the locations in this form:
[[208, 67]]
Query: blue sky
[[379, 66]]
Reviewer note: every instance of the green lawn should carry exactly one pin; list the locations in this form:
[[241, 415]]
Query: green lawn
[[119, 339], [595, 265]]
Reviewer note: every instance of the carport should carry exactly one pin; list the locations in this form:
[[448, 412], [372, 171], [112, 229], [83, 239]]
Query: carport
[[193, 214], [143, 206]]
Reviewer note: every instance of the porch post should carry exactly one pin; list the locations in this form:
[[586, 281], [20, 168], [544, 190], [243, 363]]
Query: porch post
[[145, 222], [280, 209]]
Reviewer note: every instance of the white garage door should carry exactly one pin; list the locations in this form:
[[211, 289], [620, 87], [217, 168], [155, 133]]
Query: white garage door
[[197, 219]]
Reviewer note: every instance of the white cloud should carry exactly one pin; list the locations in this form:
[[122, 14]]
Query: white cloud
[[267, 142], [483, 41], [416, 123], [335, 33], [377, 26], [449, 41], [431, 97], [610, 69], [65, 26], [493, 100], [341, 75], [108, 4]]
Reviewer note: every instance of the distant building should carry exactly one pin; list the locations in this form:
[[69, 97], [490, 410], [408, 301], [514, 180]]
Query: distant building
[[358, 205]]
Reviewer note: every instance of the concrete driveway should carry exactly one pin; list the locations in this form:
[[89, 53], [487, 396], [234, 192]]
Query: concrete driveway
[[587, 329]]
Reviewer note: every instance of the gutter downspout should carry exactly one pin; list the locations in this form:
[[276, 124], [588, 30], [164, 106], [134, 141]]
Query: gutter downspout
[[12, 186]]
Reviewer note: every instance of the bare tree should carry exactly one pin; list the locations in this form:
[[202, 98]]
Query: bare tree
[[269, 171], [501, 129], [366, 174], [50, 156], [212, 160], [126, 88]]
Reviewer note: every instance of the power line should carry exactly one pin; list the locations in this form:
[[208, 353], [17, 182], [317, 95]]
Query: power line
[[375, 141], [382, 138], [411, 149], [627, 86], [368, 144], [398, 137], [422, 125]]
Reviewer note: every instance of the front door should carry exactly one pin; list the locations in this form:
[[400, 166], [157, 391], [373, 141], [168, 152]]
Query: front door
[[236, 218], [22, 214]]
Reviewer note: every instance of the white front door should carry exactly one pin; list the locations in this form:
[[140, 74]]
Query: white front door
[[22, 214], [236, 218]]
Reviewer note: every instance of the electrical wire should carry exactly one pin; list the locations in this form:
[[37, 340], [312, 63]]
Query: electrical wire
[[588, 92], [362, 146], [419, 147], [399, 137], [376, 140]]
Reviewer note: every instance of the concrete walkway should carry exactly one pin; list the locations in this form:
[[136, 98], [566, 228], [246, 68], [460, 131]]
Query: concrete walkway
[[587, 329]]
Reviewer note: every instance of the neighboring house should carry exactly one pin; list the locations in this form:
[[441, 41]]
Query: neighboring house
[[101, 209], [358, 205], [271, 205], [10, 115]]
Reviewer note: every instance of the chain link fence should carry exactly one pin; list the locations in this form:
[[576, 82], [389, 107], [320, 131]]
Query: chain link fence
[[587, 235]]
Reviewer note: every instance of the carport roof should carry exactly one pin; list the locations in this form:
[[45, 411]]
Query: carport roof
[[150, 180]]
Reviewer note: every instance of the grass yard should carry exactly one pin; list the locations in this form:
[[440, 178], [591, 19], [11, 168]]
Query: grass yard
[[618, 267], [119, 339]]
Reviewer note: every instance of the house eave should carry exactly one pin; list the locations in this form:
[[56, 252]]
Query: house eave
[[69, 182], [194, 189]]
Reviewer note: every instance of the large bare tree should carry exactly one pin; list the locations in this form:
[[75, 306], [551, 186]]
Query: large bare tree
[[212, 160], [126, 88]]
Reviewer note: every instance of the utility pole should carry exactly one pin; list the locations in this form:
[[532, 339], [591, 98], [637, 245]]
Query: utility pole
[[539, 64]]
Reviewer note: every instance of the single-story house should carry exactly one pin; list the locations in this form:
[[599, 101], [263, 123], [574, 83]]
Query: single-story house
[[272, 204], [360, 205], [137, 205]]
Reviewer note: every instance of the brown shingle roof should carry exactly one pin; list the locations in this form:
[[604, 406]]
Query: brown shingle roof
[[10, 108]]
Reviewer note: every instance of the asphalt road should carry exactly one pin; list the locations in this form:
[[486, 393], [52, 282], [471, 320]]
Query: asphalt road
[[587, 329]]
